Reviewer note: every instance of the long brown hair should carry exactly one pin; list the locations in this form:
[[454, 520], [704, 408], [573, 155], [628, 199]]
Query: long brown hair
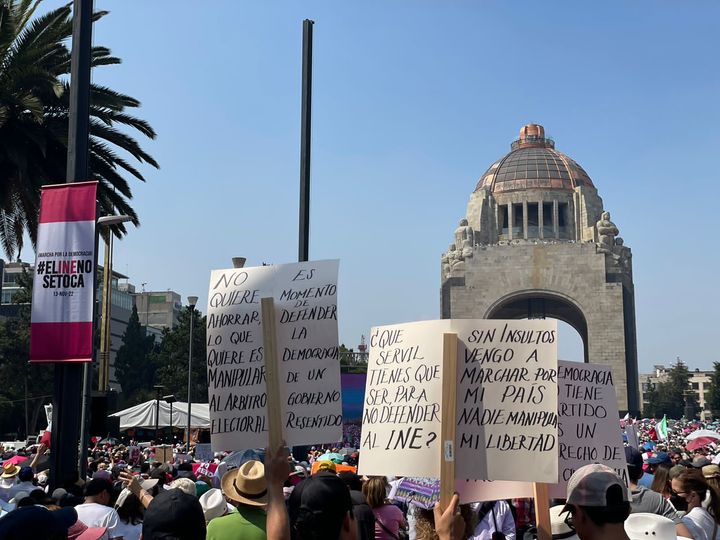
[[661, 481], [693, 480], [375, 491]]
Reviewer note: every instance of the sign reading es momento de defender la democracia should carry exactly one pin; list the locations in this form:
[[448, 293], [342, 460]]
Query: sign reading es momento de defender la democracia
[[305, 296], [64, 281]]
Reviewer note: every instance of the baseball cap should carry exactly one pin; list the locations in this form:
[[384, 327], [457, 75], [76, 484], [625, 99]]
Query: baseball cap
[[328, 466], [318, 506], [589, 485], [174, 513], [633, 457], [660, 457], [32, 522]]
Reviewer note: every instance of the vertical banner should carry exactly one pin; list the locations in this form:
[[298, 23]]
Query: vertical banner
[[64, 282], [305, 297]]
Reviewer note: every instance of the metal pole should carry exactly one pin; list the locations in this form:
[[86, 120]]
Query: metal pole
[[189, 402], [305, 121], [68, 377], [171, 437], [104, 382]]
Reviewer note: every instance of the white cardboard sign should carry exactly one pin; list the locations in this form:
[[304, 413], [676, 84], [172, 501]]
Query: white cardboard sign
[[307, 343]]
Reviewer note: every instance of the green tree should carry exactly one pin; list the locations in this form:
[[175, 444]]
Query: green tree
[[171, 358], [134, 367], [19, 378], [668, 396], [713, 402], [34, 112]]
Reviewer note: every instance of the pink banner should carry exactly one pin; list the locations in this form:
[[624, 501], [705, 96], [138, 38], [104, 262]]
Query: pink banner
[[64, 282]]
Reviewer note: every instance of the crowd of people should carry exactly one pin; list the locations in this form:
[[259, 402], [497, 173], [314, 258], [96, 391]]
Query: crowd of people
[[674, 492]]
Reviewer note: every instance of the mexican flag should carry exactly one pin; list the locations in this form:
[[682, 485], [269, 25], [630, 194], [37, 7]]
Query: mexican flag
[[662, 431]]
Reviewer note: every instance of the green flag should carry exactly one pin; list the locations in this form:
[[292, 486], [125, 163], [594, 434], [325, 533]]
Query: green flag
[[662, 429]]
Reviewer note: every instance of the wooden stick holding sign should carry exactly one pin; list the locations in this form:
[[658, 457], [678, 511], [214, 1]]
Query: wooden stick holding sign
[[447, 430], [272, 375], [542, 511]]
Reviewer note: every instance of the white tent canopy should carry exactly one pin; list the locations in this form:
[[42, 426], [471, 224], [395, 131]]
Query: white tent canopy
[[143, 415]]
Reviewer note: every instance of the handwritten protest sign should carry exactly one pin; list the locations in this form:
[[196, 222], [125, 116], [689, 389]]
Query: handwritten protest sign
[[506, 369], [305, 297], [401, 418], [588, 421], [507, 400]]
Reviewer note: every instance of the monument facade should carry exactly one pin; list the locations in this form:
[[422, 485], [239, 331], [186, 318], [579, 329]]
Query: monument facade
[[537, 242]]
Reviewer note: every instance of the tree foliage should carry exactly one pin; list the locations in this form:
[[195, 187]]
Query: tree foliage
[[34, 118], [667, 397], [17, 375], [171, 358], [134, 365], [713, 400]]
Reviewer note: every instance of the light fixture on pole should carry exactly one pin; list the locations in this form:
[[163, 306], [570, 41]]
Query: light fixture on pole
[[158, 392], [103, 223], [238, 262], [192, 300], [170, 399]]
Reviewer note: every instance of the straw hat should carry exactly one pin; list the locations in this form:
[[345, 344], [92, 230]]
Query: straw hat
[[558, 526], [10, 470], [246, 484], [711, 471], [213, 504]]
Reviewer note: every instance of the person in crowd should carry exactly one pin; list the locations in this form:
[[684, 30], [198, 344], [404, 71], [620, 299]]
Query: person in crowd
[[424, 528], [389, 519], [712, 477], [36, 522], [130, 511], [661, 481], [363, 514], [689, 490], [643, 499], [597, 503], [494, 517], [95, 512], [174, 515], [213, 504], [8, 481], [246, 488], [320, 508]]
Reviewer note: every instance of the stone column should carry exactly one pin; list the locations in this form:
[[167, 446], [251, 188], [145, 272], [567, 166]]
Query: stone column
[[510, 221]]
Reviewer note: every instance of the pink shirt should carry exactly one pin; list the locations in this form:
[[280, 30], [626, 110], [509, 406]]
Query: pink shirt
[[390, 516]]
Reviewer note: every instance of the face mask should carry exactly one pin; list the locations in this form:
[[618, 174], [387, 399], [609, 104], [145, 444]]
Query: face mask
[[679, 502]]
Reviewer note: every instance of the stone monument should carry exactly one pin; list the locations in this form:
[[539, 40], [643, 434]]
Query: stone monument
[[536, 242]]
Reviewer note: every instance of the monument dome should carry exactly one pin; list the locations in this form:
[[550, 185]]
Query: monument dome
[[531, 163], [536, 242]]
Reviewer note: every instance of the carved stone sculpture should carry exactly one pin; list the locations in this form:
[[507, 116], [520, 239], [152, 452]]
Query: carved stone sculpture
[[607, 231]]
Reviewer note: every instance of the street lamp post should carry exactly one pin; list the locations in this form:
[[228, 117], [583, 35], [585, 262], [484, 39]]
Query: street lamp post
[[170, 399], [158, 392], [192, 300]]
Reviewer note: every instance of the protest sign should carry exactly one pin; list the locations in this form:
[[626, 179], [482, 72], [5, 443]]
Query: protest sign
[[507, 400], [134, 455], [402, 414], [631, 434], [64, 280], [588, 421], [305, 298], [164, 453], [506, 404], [203, 452]]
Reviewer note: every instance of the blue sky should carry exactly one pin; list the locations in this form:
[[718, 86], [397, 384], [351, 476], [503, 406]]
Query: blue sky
[[412, 102]]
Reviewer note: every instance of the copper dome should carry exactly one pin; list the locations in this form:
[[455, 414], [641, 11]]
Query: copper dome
[[533, 163]]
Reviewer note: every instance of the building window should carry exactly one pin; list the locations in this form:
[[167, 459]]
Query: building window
[[562, 214], [503, 219], [533, 217], [695, 386], [518, 219]]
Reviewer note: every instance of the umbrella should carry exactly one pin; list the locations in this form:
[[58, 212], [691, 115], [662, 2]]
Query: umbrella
[[332, 456], [422, 492], [703, 433], [16, 460], [700, 442], [239, 457], [109, 440]]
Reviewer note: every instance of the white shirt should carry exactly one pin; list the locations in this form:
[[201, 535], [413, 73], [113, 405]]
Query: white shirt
[[701, 524], [500, 515], [98, 515]]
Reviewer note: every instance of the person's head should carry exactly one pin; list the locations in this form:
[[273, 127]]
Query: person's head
[[246, 485], [352, 480], [374, 491], [174, 515], [712, 477], [213, 504], [129, 508], [597, 500], [98, 491], [689, 490], [320, 508], [634, 462], [185, 484], [661, 480], [37, 522], [26, 474]]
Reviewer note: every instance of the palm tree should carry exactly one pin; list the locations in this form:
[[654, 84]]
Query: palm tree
[[34, 111]]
